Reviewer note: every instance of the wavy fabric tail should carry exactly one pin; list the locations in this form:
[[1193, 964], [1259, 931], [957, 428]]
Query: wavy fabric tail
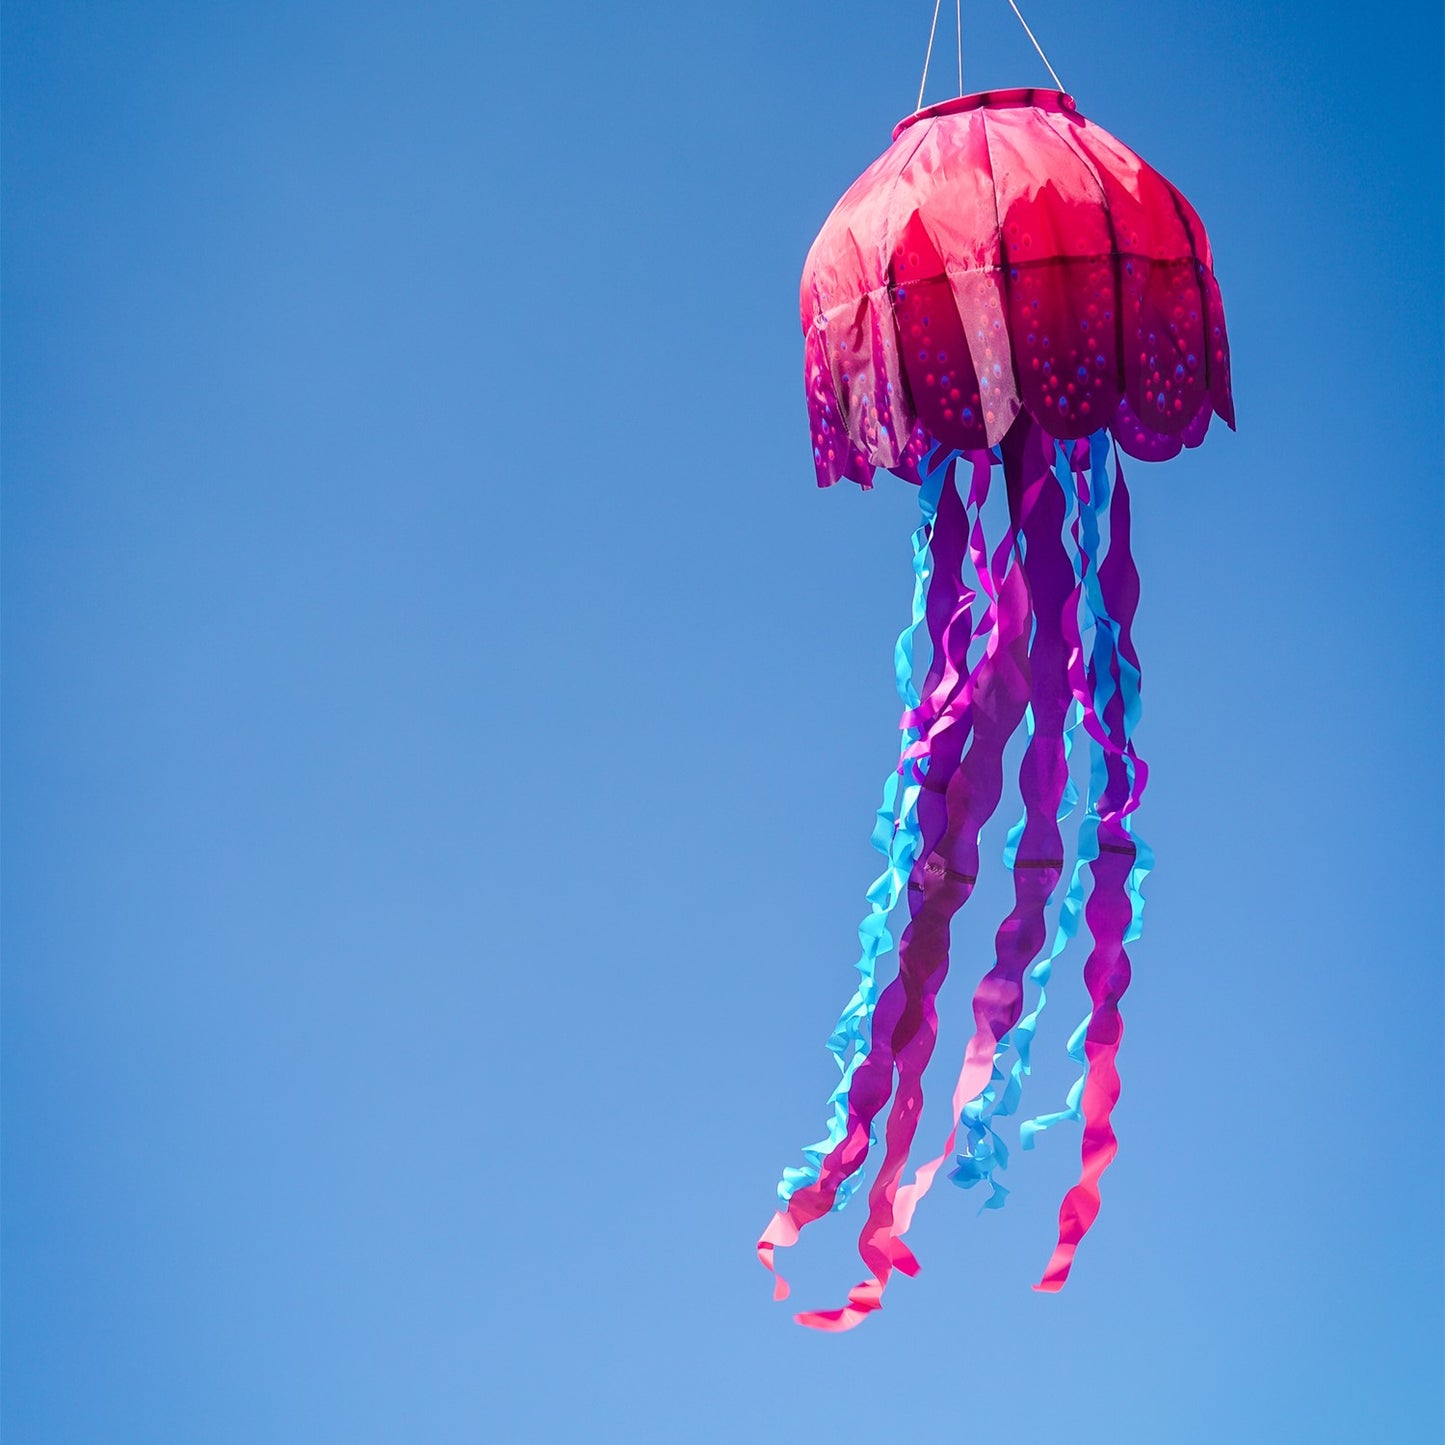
[[1115, 902], [1037, 578], [895, 833], [1035, 853], [905, 1020]]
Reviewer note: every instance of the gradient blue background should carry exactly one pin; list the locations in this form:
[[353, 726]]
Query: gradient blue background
[[443, 724]]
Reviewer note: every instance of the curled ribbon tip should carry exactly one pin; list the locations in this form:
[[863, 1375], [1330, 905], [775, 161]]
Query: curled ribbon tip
[[1057, 1273], [832, 1321], [781, 1288], [863, 1300], [780, 1231]]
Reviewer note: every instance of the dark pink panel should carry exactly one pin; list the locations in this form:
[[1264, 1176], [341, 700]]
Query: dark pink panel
[[1164, 351], [940, 373], [1143, 216], [1059, 274], [1218, 341], [1049, 199], [1062, 316], [949, 184]]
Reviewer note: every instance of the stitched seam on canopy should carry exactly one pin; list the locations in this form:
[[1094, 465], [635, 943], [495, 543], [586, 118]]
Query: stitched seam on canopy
[[868, 295], [889, 239], [1022, 265], [843, 417]]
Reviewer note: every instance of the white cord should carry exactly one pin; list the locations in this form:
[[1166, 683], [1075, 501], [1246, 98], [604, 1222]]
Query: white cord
[[922, 84], [958, 20], [1037, 46]]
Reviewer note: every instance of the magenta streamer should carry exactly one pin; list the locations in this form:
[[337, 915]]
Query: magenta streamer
[[1109, 911]]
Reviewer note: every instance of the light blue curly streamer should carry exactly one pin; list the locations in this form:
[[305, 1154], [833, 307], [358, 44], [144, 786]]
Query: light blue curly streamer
[[896, 835], [1105, 657]]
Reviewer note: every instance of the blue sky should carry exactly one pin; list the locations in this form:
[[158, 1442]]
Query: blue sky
[[443, 724]]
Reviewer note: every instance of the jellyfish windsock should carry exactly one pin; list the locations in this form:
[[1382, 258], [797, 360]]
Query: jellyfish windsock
[[1007, 301]]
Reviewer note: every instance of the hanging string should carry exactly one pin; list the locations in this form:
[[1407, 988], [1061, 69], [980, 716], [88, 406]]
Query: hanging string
[[958, 31], [1030, 35], [923, 84], [958, 21]]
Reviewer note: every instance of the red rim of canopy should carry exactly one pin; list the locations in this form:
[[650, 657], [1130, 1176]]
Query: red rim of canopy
[[1055, 100]]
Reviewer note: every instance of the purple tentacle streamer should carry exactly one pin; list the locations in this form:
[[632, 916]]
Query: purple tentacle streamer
[[1110, 909]]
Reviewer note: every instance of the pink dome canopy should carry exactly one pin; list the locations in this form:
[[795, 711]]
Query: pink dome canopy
[[1005, 254]]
